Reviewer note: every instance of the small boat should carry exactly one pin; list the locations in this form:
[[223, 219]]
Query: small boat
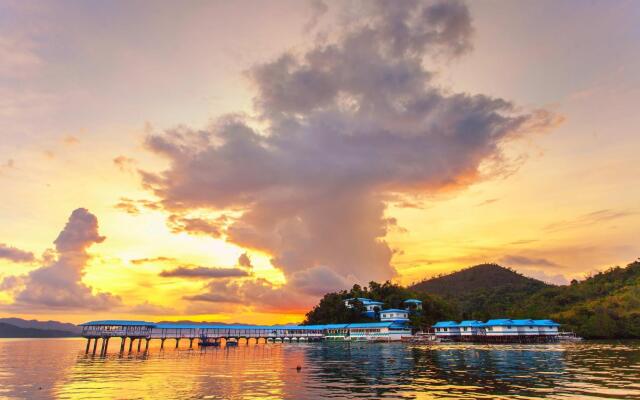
[[209, 344], [231, 343]]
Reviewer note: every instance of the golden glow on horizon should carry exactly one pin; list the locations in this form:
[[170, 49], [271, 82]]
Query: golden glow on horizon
[[569, 208]]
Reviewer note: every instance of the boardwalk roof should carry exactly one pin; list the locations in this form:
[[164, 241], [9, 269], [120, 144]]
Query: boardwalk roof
[[119, 322]]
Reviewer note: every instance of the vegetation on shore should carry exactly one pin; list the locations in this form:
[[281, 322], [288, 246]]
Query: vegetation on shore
[[606, 305]]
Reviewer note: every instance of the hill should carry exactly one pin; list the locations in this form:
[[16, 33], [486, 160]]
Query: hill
[[45, 325], [483, 291], [12, 331], [606, 305]]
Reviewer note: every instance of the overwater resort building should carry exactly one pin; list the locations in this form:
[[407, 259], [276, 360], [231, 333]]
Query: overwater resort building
[[371, 307], [394, 315], [498, 330], [413, 305]]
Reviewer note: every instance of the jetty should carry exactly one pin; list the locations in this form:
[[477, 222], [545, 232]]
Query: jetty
[[133, 334]]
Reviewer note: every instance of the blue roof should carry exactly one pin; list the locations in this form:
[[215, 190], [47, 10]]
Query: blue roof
[[446, 324], [498, 322], [118, 322], [371, 325], [335, 326], [413, 301], [395, 310], [545, 322], [472, 323]]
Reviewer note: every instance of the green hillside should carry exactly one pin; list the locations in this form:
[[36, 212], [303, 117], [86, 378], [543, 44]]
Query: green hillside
[[606, 305], [483, 291]]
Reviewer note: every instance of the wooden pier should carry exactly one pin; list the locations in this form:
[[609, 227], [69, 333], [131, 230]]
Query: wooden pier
[[134, 333]]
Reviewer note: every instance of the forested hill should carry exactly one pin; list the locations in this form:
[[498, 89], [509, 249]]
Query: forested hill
[[479, 277], [483, 291], [606, 305]]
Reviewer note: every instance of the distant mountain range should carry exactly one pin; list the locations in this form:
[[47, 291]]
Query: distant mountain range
[[21, 328]]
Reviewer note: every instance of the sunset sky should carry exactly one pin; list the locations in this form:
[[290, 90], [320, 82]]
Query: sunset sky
[[233, 161]]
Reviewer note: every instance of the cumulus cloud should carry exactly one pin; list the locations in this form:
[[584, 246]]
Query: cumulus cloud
[[197, 226], [349, 125], [16, 255], [258, 293], [134, 207], [124, 163], [58, 284], [517, 260], [147, 260], [204, 272]]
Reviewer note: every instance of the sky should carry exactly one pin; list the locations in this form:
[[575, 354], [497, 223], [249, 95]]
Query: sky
[[234, 161]]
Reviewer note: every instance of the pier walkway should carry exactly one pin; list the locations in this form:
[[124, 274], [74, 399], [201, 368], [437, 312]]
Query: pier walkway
[[134, 333]]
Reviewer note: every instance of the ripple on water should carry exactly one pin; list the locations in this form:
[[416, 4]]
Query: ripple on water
[[57, 368]]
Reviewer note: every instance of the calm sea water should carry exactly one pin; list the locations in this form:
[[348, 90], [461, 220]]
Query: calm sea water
[[58, 368]]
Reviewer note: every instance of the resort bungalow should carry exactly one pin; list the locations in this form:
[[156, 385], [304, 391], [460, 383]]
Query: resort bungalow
[[378, 331], [447, 329], [547, 327], [371, 306], [413, 305], [394, 315], [470, 328], [499, 330]]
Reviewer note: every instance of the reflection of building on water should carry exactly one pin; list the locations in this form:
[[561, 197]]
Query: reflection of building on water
[[498, 330]]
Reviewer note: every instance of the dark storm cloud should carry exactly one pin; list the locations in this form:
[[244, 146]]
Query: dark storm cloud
[[58, 285], [16, 255], [349, 124]]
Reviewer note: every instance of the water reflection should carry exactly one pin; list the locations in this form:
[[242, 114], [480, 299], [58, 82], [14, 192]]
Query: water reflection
[[60, 369]]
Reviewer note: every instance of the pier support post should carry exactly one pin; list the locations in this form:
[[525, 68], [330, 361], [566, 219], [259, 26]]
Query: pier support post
[[191, 343], [130, 344], [105, 345], [95, 345], [139, 344], [88, 345], [146, 346], [177, 342], [162, 343], [124, 340]]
